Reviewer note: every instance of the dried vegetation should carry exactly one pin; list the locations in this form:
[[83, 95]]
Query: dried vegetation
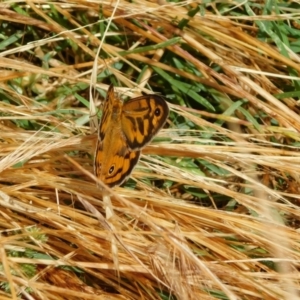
[[211, 211]]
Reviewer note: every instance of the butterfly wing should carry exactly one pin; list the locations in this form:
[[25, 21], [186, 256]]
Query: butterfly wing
[[114, 166], [114, 160], [107, 111], [142, 118]]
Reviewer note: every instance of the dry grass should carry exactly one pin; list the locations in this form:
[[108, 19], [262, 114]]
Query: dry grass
[[211, 211]]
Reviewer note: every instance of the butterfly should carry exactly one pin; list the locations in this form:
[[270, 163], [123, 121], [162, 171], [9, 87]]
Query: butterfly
[[125, 128]]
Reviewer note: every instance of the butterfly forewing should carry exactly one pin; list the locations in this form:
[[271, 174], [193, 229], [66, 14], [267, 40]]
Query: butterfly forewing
[[142, 118], [107, 113]]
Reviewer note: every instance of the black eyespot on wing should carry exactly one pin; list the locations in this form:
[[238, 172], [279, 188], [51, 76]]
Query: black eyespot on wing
[[111, 169], [157, 112]]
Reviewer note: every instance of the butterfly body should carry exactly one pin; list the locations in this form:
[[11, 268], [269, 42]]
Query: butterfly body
[[123, 131]]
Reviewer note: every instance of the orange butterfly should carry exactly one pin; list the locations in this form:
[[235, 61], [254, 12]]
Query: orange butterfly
[[124, 130]]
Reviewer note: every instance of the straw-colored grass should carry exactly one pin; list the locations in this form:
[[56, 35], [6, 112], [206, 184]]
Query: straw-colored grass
[[212, 209]]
